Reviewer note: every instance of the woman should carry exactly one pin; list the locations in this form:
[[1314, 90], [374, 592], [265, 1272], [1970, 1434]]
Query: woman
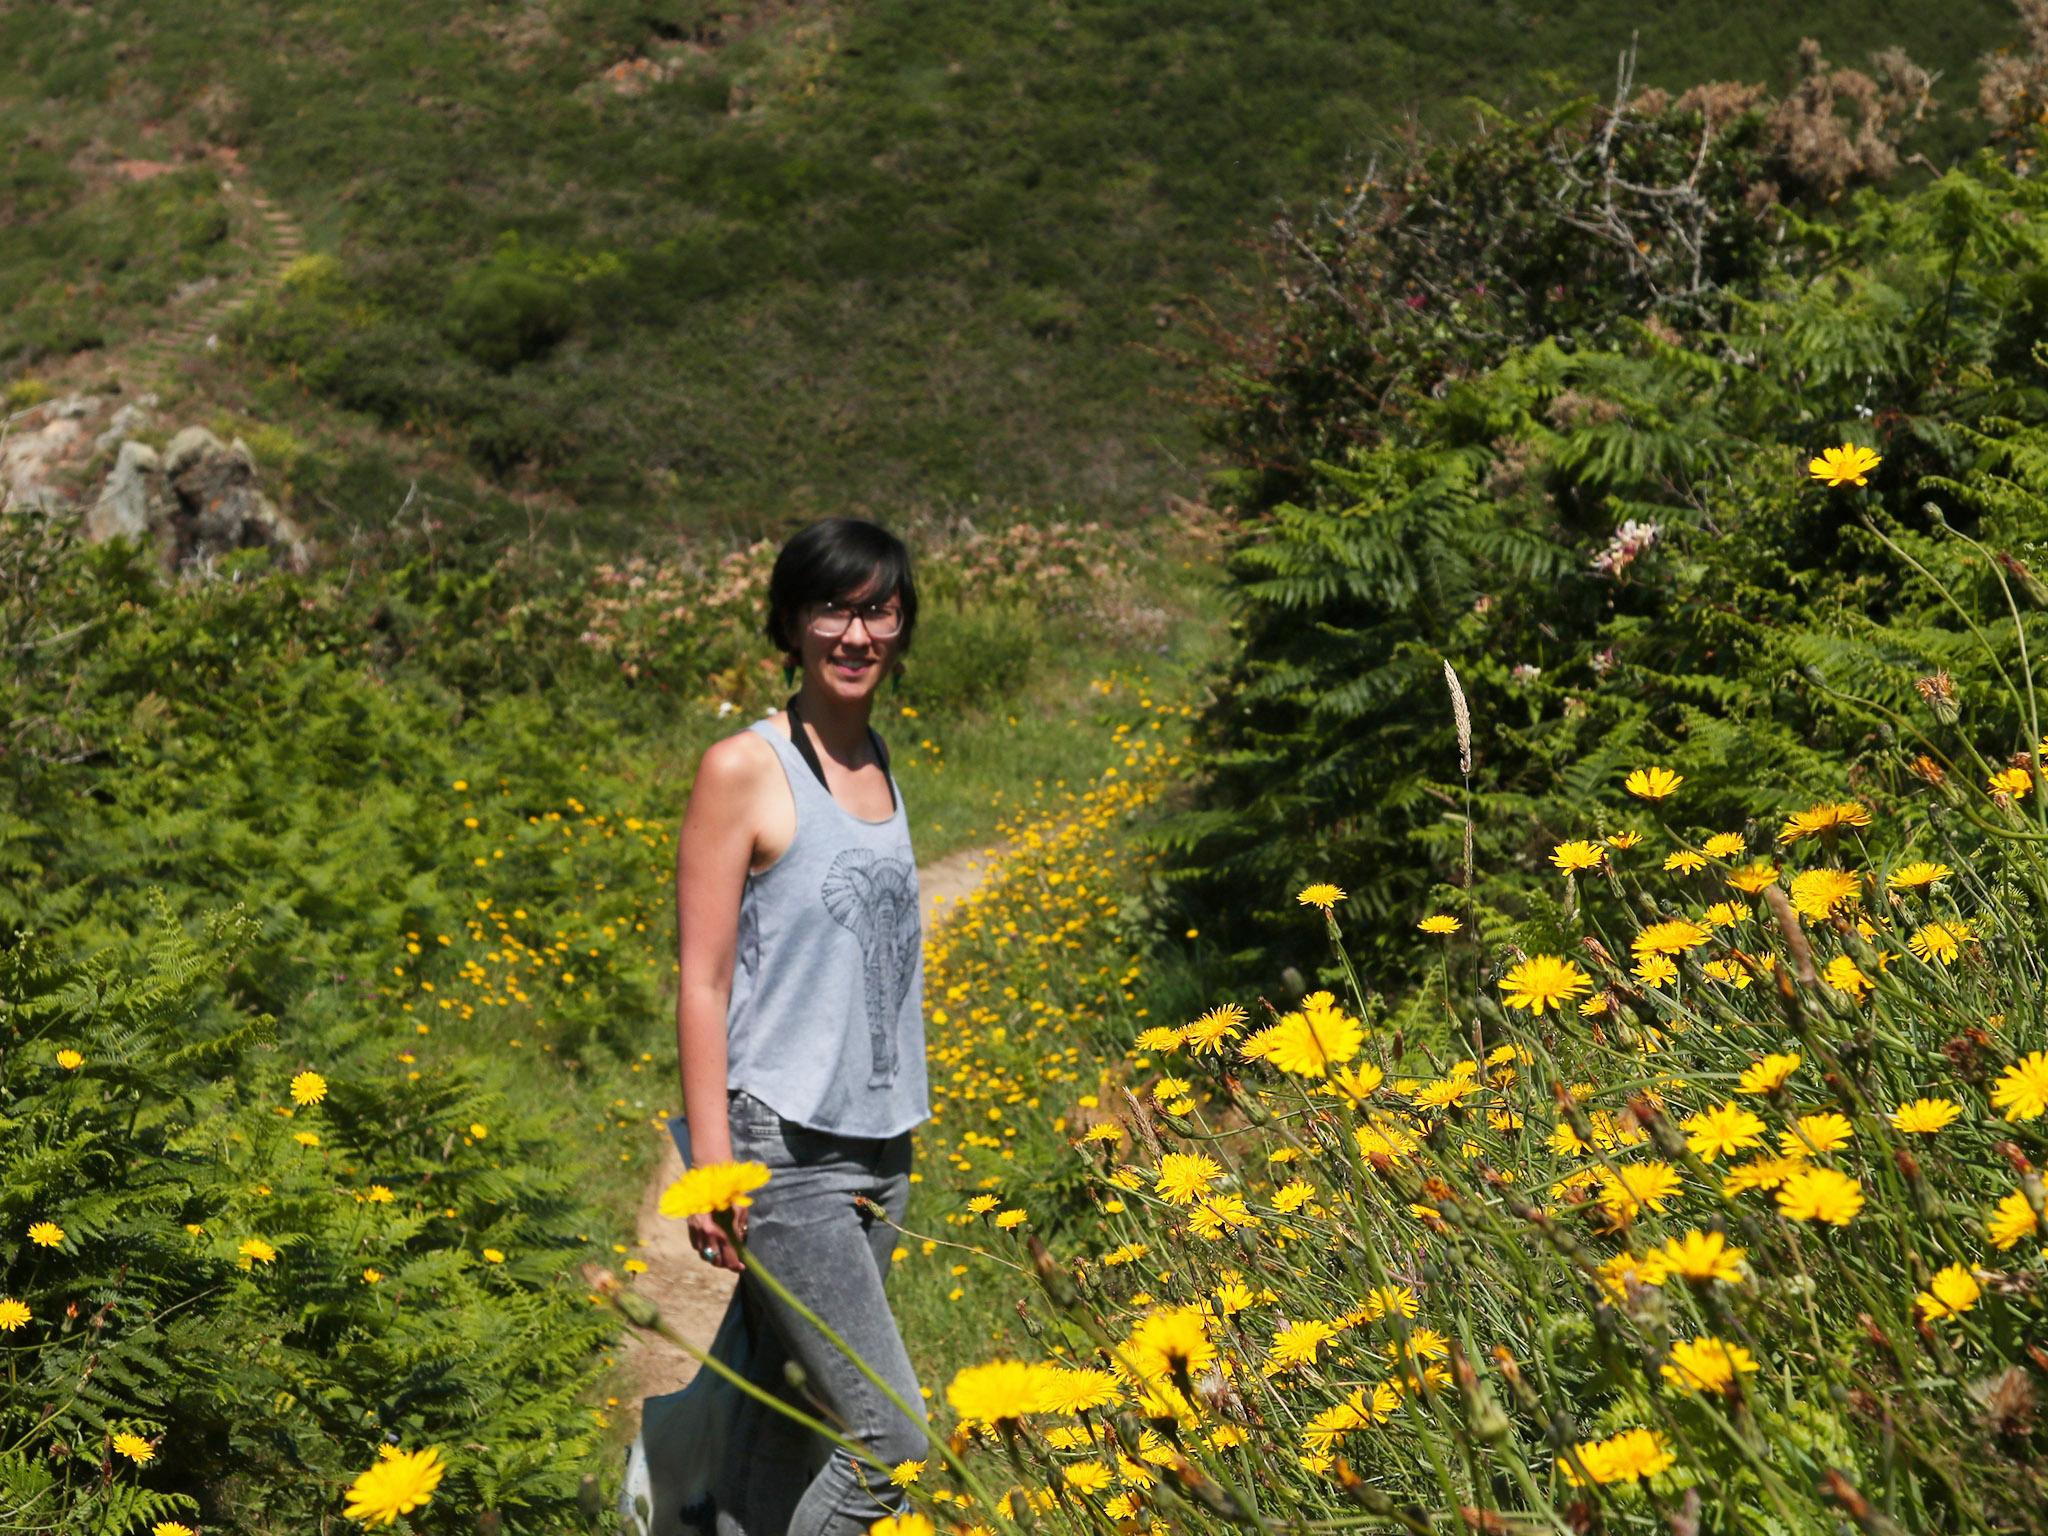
[[799, 1024]]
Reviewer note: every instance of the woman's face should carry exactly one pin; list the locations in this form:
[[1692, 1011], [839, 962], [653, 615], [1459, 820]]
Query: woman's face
[[851, 663]]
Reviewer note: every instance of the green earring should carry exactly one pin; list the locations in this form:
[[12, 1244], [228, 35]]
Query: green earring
[[896, 680], [788, 674]]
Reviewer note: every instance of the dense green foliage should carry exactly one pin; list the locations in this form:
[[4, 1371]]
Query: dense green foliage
[[1483, 520], [713, 260]]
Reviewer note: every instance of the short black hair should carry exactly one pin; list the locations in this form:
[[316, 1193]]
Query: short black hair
[[828, 562]]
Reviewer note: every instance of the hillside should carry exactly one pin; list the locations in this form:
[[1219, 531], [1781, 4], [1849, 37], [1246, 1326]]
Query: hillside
[[672, 266]]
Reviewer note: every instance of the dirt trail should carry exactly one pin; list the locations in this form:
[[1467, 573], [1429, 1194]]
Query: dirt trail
[[691, 1294]]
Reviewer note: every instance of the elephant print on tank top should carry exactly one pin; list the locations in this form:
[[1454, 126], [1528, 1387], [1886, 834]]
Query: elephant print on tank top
[[875, 898]]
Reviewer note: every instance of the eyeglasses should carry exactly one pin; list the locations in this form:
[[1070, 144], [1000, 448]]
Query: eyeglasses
[[830, 620]]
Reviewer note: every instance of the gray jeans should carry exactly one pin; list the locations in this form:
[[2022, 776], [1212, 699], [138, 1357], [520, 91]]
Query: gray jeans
[[781, 1479]]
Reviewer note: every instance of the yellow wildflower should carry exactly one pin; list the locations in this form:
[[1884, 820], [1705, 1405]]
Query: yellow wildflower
[[1849, 464]]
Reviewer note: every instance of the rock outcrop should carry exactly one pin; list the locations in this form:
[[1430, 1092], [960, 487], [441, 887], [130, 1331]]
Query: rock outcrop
[[190, 504]]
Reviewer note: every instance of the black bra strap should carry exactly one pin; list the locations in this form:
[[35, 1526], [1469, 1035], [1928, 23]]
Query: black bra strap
[[801, 740]]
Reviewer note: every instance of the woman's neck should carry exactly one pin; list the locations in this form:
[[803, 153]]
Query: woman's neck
[[840, 725]]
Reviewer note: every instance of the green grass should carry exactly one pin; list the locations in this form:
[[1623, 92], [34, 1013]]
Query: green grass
[[891, 254]]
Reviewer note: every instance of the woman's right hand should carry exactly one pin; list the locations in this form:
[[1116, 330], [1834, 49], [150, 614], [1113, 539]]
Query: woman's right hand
[[705, 1232]]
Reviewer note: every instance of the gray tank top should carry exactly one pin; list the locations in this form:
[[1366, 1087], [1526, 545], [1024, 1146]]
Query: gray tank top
[[826, 1020]]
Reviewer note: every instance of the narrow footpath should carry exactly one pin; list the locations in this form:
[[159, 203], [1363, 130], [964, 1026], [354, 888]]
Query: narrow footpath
[[691, 1294]]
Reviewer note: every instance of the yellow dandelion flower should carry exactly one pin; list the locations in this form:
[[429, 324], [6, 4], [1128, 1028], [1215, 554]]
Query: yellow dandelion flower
[[1293, 1195], [1812, 1135], [1183, 1176], [1685, 861], [1940, 943], [1577, 855], [1673, 936], [308, 1088], [1656, 971], [1720, 1132], [1078, 1389], [1159, 1037], [2022, 1091], [1725, 845], [1917, 876], [1213, 1030], [1389, 1300], [1384, 1137], [2013, 1220], [397, 1484], [1000, 1389], [1817, 893], [2010, 782], [1726, 914], [1652, 783], [1924, 1117], [1821, 1194], [1297, 1343], [1357, 1083], [1324, 896], [1830, 817], [1760, 1173], [1628, 1457], [1335, 1421], [1850, 464], [1170, 1341], [1752, 878], [14, 1314], [1086, 1477], [135, 1448], [1844, 975], [1769, 1073], [1232, 1297], [45, 1234], [1952, 1292], [1441, 924], [1699, 1257], [255, 1250], [1733, 972], [1010, 1220], [1626, 1190], [1544, 981], [712, 1187], [69, 1059], [1706, 1365], [1310, 1040], [1258, 1046]]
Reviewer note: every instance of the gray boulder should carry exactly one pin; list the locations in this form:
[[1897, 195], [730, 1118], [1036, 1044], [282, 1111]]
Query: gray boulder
[[215, 504]]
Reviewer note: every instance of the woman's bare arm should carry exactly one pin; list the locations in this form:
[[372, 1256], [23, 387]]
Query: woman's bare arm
[[713, 854]]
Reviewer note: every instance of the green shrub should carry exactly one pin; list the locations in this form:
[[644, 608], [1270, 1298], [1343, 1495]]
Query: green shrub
[[1486, 521], [501, 317]]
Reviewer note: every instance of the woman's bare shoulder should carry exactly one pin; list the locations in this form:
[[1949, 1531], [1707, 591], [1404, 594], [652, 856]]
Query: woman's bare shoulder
[[735, 764]]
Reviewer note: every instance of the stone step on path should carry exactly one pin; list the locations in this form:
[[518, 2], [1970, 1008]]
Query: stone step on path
[[691, 1294], [283, 242]]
